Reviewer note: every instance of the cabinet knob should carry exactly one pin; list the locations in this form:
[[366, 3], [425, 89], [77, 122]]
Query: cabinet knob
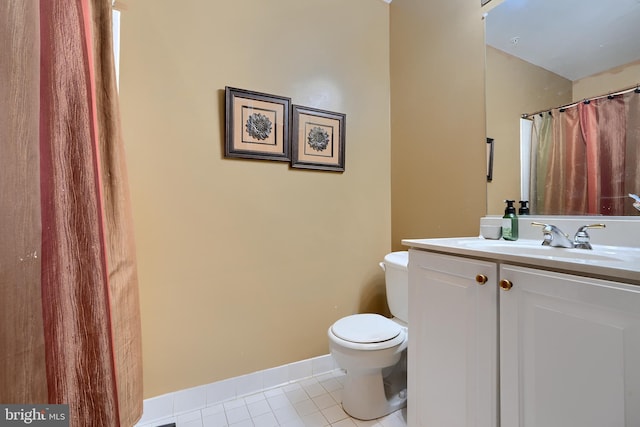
[[505, 284], [481, 279]]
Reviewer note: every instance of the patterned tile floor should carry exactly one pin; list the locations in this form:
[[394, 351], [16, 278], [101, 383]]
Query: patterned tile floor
[[310, 402]]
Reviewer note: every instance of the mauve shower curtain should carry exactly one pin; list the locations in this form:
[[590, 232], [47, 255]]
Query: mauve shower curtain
[[69, 309], [604, 130], [566, 184], [585, 158]]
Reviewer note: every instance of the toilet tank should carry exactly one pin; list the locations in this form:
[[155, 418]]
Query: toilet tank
[[396, 278]]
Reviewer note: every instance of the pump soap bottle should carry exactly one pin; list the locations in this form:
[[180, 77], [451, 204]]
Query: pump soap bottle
[[510, 222], [524, 207]]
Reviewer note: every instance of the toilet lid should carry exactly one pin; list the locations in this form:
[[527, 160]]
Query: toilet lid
[[366, 328]]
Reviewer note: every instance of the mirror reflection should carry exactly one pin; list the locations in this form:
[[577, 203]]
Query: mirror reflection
[[573, 68]]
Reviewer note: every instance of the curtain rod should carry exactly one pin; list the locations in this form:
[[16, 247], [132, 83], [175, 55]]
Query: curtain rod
[[635, 88]]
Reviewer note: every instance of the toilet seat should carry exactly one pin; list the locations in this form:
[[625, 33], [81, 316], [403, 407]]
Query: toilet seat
[[367, 332]]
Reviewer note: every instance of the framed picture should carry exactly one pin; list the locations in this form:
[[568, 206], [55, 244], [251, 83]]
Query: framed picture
[[317, 139], [257, 125]]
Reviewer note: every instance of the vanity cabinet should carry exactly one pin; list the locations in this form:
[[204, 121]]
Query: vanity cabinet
[[564, 349], [452, 354], [569, 350]]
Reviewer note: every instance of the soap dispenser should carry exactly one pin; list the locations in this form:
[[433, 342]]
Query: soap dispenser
[[510, 222], [524, 207]]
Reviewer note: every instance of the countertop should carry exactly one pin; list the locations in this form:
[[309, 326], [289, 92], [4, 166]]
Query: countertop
[[615, 263]]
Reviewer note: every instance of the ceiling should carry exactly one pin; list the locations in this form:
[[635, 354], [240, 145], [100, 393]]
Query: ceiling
[[572, 38]]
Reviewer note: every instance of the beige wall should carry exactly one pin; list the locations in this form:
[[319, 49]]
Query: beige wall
[[244, 264], [612, 80], [438, 171], [514, 87]]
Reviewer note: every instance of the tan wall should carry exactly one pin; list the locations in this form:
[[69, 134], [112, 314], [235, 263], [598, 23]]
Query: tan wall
[[438, 171], [244, 264], [613, 80], [514, 87]]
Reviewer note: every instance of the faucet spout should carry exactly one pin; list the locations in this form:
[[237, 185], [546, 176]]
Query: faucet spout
[[553, 236]]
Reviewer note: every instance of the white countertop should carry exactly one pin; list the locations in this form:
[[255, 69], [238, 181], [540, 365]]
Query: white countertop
[[606, 262]]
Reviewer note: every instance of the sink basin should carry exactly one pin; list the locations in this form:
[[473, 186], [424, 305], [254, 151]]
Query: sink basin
[[535, 248]]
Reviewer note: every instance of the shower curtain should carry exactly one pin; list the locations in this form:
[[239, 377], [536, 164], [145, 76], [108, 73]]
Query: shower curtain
[[69, 309], [585, 158]]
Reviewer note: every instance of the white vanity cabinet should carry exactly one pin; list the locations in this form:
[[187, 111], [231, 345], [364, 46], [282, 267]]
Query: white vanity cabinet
[[565, 349], [569, 350], [452, 359]]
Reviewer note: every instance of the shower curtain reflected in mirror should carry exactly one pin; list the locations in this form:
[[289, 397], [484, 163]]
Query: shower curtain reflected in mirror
[[585, 158], [69, 311]]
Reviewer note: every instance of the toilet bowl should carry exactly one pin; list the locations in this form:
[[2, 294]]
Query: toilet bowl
[[372, 349]]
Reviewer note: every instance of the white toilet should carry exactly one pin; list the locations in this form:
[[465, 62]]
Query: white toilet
[[372, 349]]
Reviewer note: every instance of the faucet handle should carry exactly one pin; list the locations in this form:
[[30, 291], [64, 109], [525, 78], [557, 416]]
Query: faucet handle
[[541, 224], [581, 239], [551, 232], [546, 231], [584, 227], [546, 228]]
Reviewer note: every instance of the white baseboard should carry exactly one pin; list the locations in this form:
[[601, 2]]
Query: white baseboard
[[179, 402]]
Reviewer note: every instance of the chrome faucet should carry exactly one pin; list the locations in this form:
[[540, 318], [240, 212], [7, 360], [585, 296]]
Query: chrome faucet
[[581, 239], [553, 236]]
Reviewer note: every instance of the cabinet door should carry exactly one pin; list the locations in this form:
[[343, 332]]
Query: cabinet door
[[569, 351], [452, 359]]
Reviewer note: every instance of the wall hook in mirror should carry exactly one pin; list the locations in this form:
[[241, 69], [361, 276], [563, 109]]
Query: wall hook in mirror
[[611, 96], [586, 102], [637, 89]]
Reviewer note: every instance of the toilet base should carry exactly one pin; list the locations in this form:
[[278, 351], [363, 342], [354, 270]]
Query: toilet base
[[371, 394]]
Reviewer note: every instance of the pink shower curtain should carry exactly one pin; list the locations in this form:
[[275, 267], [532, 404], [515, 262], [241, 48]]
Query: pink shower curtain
[[587, 158], [69, 311], [632, 153]]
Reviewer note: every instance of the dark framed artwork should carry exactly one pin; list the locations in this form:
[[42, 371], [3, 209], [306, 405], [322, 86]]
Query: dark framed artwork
[[257, 125], [489, 159], [318, 139]]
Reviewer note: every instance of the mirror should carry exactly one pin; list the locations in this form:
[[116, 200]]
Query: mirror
[[543, 54]]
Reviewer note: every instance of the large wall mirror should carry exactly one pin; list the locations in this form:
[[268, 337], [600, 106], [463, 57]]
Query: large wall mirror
[[544, 58]]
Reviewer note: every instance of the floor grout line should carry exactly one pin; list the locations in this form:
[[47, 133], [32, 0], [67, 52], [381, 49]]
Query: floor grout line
[[309, 402]]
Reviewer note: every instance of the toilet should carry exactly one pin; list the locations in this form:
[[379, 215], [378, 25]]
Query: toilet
[[372, 349]]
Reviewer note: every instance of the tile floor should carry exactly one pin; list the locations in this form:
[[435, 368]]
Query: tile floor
[[310, 402]]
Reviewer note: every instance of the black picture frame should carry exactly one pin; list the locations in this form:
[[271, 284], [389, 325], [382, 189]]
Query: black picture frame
[[318, 139], [257, 125]]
